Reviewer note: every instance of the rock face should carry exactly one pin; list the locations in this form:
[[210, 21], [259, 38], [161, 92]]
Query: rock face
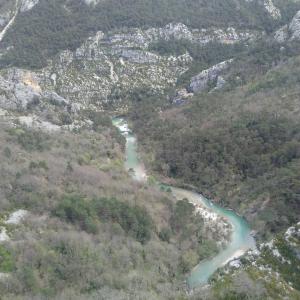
[[289, 32], [201, 81], [274, 12], [294, 27], [109, 65], [19, 89], [27, 5], [16, 96], [139, 56], [178, 31]]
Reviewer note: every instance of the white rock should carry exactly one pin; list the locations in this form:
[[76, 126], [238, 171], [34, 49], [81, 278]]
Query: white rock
[[272, 9], [200, 82], [33, 121], [294, 27], [3, 235], [282, 34], [235, 263], [16, 217]]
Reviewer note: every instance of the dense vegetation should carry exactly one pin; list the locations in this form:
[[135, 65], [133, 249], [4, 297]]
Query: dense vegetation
[[241, 147], [52, 26], [133, 220], [92, 232]]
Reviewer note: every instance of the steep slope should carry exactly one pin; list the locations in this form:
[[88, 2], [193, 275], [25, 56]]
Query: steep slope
[[212, 90], [272, 271], [239, 145], [66, 24]]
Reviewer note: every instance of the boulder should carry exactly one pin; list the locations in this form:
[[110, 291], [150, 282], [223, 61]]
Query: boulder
[[220, 83]]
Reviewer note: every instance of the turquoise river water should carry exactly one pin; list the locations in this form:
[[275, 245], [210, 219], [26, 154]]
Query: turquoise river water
[[241, 239]]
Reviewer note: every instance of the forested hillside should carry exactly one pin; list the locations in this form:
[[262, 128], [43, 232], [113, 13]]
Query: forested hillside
[[52, 26], [240, 146], [208, 93], [90, 231]]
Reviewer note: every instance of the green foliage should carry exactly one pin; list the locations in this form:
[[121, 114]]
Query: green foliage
[[76, 210], [187, 261], [99, 119], [134, 220], [6, 260], [30, 140], [38, 165], [284, 77], [7, 152], [165, 234], [256, 151], [85, 159], [182, 214], [65, 118], [207, 248], [252, 147], [29, 278]]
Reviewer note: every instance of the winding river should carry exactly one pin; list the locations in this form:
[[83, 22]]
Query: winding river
[[241, 239]]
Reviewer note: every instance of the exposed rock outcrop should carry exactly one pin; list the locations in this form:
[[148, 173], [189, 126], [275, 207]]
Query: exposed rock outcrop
[[294, 27], [201, 81], [282, 34], [26, 5], [181, 97], [109, 65], [19, 89], [139, 56], [178, 31], [16, 95], [33, 121], [289, 32], [270, 7], [274, 12]]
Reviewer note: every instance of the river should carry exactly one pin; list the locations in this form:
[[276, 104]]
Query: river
[[241, 238]]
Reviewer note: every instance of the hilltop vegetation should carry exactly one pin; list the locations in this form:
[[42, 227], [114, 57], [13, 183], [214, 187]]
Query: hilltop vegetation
[[52, 26]]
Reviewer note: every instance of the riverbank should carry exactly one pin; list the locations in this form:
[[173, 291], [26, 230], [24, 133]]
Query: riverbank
[[240, 238]]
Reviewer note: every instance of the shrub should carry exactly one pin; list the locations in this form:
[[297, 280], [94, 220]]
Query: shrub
[[7, 152], [181, 215], [77, 210], [165, 234], [38, 165], [6, 260], [134, 220], [30, 140]]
